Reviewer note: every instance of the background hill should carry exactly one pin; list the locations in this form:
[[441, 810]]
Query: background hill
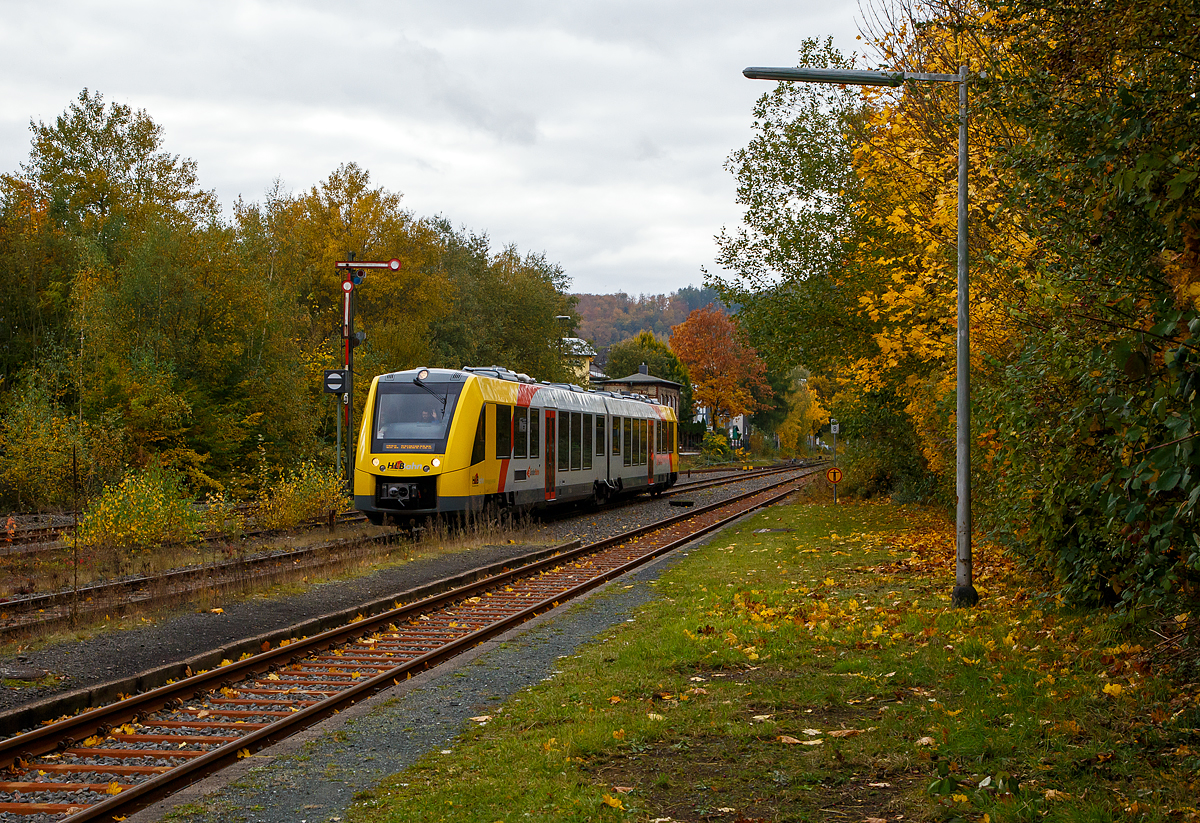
[[605, 319]]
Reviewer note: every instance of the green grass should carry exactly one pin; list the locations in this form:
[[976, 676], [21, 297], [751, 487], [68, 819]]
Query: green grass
[[819, 674]]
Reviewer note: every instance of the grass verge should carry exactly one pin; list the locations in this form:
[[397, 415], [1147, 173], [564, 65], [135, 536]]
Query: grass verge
[[816, 672]]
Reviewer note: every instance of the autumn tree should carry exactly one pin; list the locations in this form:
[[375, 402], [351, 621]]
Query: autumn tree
[[1103, 379], [796, 183], [726, 372], [805, 414], [102, 171], [626, 357], [1084, 180]]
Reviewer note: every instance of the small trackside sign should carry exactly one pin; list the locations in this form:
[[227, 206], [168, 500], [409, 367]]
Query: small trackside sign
[[335, 381], [834, 475]]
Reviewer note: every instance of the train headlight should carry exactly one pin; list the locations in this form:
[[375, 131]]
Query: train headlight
[[422, 374], [437, 462], [375, 461]]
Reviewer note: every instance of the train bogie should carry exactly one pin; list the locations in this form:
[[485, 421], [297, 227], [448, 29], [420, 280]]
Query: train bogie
[[437, 441]]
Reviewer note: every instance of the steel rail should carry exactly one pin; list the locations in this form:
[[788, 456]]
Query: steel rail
[[63, 733], [700, 485], [228, 571], [231, 569]]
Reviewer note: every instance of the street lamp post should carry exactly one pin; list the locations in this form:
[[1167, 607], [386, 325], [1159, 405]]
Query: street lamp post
[[964, 593]]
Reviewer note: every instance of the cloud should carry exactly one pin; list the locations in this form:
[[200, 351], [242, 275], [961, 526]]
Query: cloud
[[595, 132]]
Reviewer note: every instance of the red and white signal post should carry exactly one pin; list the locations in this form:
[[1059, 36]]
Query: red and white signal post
[[353, 273]]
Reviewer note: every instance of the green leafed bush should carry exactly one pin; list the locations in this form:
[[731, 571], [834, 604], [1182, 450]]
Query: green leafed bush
[[715, 448], [221, 516], [305, 493], [145, 509], [47, 452]]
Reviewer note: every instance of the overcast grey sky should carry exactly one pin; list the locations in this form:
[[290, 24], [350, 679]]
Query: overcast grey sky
[[595, 132]]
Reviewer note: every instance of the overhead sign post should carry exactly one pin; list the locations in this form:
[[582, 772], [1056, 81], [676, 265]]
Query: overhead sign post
[[353, 273]]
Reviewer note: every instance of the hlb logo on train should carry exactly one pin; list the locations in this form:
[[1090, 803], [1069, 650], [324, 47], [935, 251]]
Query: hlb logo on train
[[407, 467]]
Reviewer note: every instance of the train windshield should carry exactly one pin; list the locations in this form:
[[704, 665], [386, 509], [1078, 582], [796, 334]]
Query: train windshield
[[409, 418]]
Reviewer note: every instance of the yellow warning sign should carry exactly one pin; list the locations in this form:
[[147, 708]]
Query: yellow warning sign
[[834, 474]]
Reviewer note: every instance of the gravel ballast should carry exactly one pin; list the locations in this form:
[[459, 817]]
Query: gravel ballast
[[390, 731], [316, 775], [114, 656]]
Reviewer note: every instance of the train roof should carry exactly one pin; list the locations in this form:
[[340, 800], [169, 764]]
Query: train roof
[[509, 376]]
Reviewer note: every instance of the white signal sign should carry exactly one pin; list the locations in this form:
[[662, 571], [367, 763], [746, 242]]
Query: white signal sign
[[335, 381]]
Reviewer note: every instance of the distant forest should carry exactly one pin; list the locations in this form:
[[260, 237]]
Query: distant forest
[[605, 319]]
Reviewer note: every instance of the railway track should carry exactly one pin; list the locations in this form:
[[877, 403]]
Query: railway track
[[104, 763], [736, 476], [49, 539], [22, 613], [23, 540]]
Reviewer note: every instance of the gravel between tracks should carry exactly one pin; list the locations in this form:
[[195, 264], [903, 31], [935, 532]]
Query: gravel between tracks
[[433, 707], [316, 775], [114, 655]]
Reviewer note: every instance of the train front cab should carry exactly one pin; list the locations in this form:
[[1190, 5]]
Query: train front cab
[[448, 442], [415, 444]]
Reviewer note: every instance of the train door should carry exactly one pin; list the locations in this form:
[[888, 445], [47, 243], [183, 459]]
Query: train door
[[651, 442], [492, 464], [551, 444]]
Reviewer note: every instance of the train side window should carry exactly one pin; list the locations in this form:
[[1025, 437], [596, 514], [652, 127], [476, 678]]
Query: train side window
[[479, 450], [642, 442], [535, 432], [627, 426], [520, 432], [503, 432], [599, 435], [616, 435], [564, 441], [587, 441], [576, 441], [671, 438]]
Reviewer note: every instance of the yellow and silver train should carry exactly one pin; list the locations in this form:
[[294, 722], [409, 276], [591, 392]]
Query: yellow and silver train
[[438, 440]]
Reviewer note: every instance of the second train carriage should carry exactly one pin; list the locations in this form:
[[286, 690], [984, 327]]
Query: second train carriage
[[442, 440]]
